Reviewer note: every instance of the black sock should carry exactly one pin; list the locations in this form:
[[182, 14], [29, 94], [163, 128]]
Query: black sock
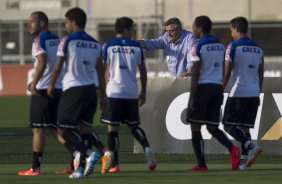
[[222, 138], [198, 145], [239, 135], [71, 162], [113, 143], [140, 136], [74, 142], [36, 161], [92, 139]]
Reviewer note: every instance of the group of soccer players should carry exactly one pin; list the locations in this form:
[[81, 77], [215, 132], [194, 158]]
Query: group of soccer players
[[69, 76], [210, 75], [72, 72]]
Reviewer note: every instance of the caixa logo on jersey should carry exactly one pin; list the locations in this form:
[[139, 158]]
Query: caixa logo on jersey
[[181, 131]]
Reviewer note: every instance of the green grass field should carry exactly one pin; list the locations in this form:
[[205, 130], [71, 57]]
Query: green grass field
[[15, 155], [165, 174]]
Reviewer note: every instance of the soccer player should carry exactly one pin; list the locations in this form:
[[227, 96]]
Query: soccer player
[[81, 56], [206, 94], [244, 63], [178, 44], [43, 109], [122, 56]]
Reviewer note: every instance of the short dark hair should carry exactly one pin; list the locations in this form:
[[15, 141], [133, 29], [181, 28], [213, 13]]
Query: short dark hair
[[41, 16], [204, 22], [175, 21], [241, 23], [123, 23], [78, 15]]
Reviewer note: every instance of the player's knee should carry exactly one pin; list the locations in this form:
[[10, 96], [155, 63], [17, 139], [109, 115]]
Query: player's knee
[[211, 128], [227, 128], [195, 127], [38, 131]]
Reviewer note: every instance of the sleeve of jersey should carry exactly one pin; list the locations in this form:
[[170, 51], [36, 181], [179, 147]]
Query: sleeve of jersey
[[62, 49], [194, 52], [228, 54], [38, 47], [157, 43]]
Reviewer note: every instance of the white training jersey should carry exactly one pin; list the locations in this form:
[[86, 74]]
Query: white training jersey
[[210, 52], [123, 56], [247, 57], [80, 52], [46, 43]]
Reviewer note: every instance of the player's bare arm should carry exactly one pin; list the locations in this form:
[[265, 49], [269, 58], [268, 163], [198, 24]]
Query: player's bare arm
[[227, 72], [261, 72], [194, 81], [143, 79], [142, 43], [39, 70], [55, 75], [103, 97]]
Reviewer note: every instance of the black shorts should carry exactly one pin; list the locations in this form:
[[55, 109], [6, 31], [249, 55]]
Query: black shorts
[[122, 111], [205, 108], [43, 109], [241, 111], [77, 105]]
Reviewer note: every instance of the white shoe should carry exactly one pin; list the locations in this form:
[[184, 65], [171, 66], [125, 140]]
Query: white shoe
[[77, 174], [91, 161], [243, 162], [152, 163], [253, 154]]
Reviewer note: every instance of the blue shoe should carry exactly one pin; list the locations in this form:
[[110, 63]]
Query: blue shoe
[[91, 162]]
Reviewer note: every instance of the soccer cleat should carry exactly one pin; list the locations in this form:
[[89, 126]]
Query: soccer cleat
[[67, 170], [114, 169], [243, 162], [77, 174], [76, 160], [197, 168], [29, 172], [235, 157], [152, 164], [253, 154], [91, 161], [107, 160]]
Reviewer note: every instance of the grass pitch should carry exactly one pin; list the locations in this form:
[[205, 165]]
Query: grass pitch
[[139, 174], [15, 155]]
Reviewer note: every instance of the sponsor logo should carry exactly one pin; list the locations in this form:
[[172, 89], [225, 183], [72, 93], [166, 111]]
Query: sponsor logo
[[124, 67], [215, 48], [86, 45], [54, 42], [251, 49], [86, 62], [125, 50]]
